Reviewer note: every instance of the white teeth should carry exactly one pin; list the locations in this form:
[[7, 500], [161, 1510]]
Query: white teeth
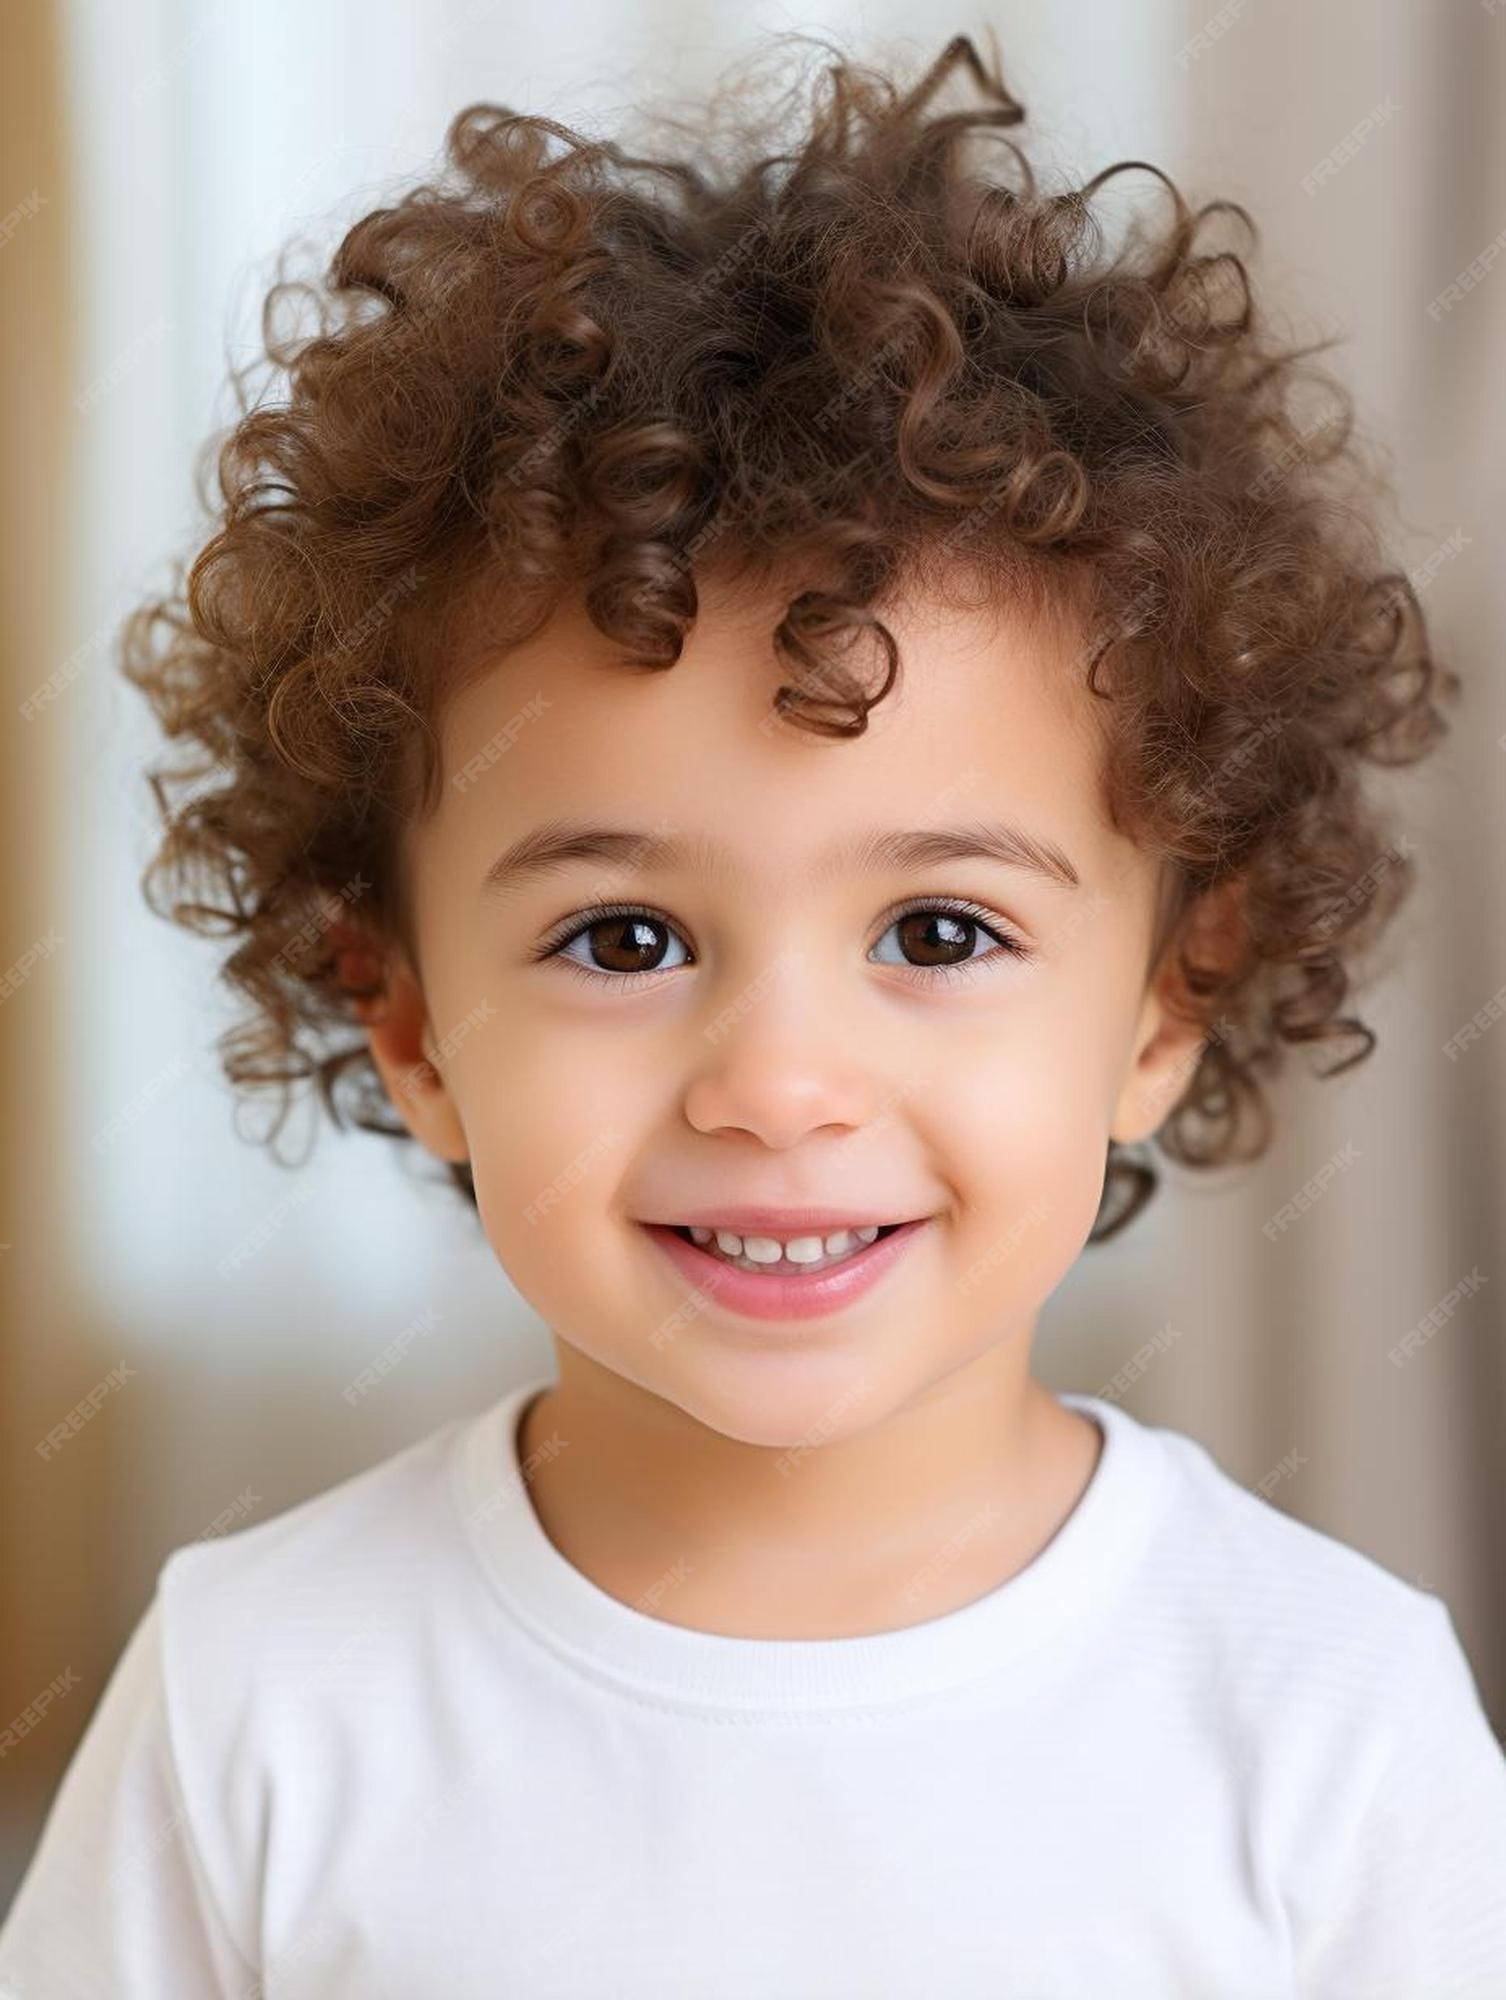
[[797, 1250], [761, 1249], [805, 1249]]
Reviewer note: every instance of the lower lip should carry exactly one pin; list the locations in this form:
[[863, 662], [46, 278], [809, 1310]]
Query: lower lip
[[785, 1295]]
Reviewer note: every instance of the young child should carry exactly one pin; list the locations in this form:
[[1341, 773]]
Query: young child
[[785, 713]]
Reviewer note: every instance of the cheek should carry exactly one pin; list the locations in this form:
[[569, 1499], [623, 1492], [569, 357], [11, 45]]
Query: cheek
[[552, 1118], [1028, 1084], [1024, 1133]]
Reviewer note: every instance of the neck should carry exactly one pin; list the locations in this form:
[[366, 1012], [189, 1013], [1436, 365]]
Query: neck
[[924, 1510]]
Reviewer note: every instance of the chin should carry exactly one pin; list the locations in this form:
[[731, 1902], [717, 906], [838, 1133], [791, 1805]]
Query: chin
[[780, 1399]]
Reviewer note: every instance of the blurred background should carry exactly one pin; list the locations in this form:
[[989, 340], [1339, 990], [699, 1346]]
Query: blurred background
[[211, 1305]]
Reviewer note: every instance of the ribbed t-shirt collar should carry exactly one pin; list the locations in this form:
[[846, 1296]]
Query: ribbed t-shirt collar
[[1088, 1560]]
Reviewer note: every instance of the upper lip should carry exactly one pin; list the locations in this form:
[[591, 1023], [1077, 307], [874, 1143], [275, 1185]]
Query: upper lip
[[784, 1221]]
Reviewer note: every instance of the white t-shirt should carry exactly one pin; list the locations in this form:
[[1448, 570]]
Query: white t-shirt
[[391, 1744]]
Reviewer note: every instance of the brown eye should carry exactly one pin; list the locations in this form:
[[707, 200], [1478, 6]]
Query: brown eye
[[622, 942], [936, 938], [618, 945], [626, 944]]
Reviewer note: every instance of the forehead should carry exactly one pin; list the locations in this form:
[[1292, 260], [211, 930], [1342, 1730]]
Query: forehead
[[989, 719]]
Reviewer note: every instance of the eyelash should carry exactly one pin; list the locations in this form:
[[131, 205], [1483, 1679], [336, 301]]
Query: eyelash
[[1011, 945]]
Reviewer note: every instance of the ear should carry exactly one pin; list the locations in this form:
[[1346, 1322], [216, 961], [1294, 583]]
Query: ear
[[1173, 1026], [403, 1046]]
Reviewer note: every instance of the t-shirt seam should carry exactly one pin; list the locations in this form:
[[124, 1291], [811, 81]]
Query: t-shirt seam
[[195, 1845], [608, 1680], [822, 1715]]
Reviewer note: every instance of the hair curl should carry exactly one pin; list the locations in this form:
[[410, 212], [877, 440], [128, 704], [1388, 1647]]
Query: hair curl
[[858, 363]]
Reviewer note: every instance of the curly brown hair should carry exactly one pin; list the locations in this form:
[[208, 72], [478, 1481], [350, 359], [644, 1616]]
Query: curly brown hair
[[858, 362]]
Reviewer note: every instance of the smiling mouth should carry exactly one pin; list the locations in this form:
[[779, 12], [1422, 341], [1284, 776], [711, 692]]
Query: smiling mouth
[[766, 1256]]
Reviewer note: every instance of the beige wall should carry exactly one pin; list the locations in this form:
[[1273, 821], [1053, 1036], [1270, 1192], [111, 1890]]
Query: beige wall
[[50, 1581]]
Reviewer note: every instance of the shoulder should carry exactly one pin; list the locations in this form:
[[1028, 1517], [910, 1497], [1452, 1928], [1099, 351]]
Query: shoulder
[[366, 1540], [1374, 1787], [282, 1643], [1336, 1691], [1283, 1610]]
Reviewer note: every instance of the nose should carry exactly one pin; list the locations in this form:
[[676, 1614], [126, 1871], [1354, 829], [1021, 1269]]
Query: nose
[[783, 1062]]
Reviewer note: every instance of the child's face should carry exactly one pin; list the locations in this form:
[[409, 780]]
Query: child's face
[[793, 1049]]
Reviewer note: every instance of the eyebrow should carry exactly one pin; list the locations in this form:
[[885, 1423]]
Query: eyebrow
[[559, 843]]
